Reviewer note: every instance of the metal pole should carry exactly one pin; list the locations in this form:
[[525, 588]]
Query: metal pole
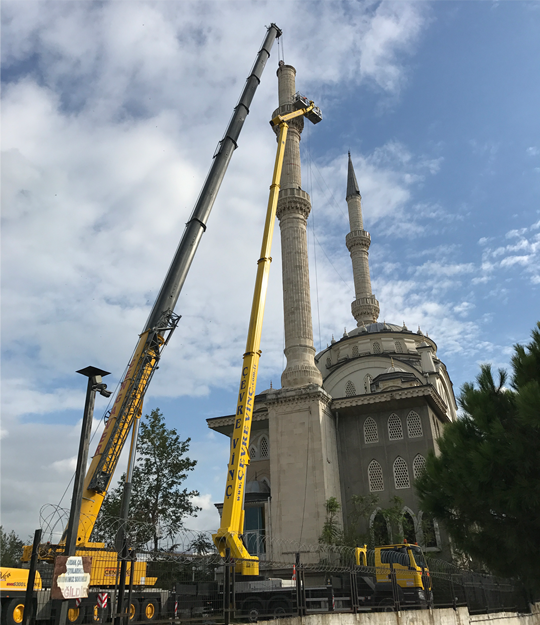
[[299, 606], [29, 597], [95, 376], [227, 588], [130, 591]]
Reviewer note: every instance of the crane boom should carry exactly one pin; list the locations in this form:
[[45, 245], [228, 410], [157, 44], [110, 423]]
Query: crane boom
[[162, 320], [231, 529]]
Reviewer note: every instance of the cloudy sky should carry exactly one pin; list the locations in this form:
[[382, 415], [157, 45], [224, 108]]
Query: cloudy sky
[[111, 113]]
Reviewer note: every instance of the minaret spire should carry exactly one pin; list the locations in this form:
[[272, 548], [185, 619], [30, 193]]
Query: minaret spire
[[365, 308]]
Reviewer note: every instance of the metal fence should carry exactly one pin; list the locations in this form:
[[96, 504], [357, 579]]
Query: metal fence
[[202, 587]]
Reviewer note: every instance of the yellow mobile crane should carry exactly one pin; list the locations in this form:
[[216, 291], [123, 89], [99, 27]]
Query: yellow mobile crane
[[231, 529], [127, 407]]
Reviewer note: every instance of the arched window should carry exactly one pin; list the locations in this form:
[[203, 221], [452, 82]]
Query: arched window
[[414, 425], [350, 389], [328, 362], [379, 530], [355, 351], [371, 433], [375, 477], [395, 430], [367, 383], [429, 530], [401, 473], [253, 453], [409, 532], [399, 347], [264, 447], [418, 465], [377, 347]]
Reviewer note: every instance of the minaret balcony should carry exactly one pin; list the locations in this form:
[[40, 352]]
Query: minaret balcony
[[358, 237]]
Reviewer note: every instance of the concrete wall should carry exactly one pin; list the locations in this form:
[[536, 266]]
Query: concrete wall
[[460, 616]]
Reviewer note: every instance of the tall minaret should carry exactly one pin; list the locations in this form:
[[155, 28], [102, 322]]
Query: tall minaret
[[365, 308], [294, 206]]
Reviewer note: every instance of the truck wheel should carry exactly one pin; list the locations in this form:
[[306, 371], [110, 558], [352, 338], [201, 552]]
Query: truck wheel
[[387, 605], [252, 610], [149, 610], [75, 615], [134, 610], [13, 612]]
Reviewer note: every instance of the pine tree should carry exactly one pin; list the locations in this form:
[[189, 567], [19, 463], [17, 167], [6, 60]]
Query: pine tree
[[158, 503], [485, 484]]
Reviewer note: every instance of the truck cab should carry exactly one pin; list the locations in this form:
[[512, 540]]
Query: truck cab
[[407, 563]]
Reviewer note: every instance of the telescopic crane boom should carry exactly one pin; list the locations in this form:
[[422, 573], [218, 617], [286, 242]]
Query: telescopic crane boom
[[230, 532], [162, 320]]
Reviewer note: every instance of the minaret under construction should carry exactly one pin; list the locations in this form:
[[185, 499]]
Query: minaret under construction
[[365, 308], [294, 206]]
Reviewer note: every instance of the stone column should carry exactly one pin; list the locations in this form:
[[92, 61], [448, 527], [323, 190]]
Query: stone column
[[365, 308], [294, 206]]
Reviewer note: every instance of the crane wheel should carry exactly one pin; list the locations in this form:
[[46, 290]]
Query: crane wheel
[[97, 615], [280, 609], [149, 610], [252, 610], [13, 612], [134, 610], [75, 615]]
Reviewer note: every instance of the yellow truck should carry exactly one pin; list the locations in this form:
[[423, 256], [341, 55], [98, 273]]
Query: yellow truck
[[400, 575]]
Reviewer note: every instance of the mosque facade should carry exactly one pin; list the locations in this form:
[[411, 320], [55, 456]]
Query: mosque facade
[[355, 421]]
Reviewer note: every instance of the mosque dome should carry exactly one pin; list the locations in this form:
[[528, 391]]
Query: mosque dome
[[379, 326]]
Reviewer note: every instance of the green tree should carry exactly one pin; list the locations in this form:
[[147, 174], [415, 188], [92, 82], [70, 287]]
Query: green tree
[[158, 503], [485, 484], [332, 533], [11, 547], [361, 508]]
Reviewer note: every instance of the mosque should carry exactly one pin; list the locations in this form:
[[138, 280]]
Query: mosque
[[355, 420]]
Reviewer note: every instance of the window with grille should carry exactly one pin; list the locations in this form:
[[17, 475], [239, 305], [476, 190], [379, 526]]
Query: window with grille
[[429, 531], [395, 429], [379, 529], [350, 389], [377, 347], [409, 531], [264, 447], [375, 477], [355, 351], [367, 383], [418, 465], [399, 347], [253, 453], [414, 425], [328, 363], [401, 473], [371, 434]]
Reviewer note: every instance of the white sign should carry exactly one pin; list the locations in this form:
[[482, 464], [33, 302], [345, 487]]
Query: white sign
[[74, 582]]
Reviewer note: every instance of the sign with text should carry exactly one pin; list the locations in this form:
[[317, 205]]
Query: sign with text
[[71, 577]]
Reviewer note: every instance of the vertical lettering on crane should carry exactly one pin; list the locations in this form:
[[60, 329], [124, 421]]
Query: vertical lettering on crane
[[237, 468]]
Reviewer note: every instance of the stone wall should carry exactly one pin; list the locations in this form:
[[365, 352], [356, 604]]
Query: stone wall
[[460, 616]]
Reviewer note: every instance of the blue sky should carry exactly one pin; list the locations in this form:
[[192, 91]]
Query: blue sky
[[111, 113]]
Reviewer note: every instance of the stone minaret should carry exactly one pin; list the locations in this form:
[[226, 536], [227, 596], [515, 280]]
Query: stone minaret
[[365, 308], [294, 206]]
